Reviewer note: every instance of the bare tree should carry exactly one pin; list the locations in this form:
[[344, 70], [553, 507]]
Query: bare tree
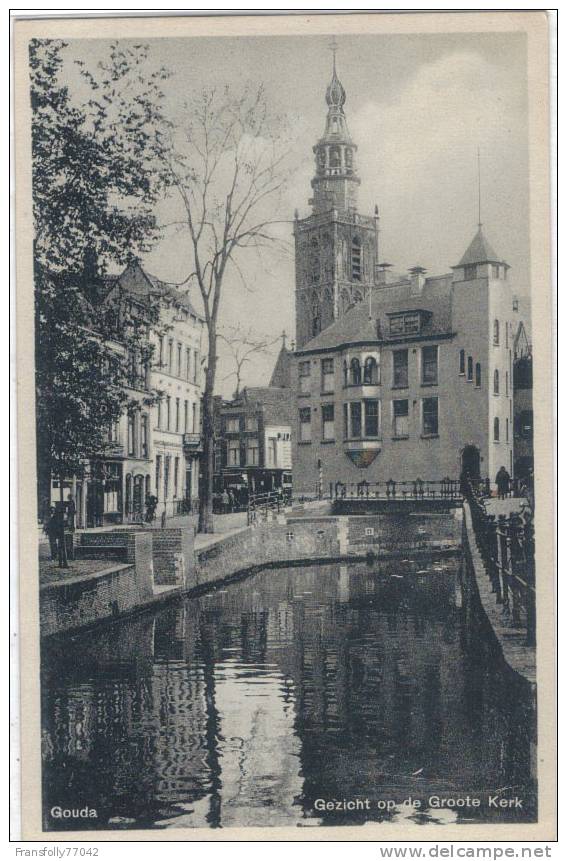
[[242, 344], [228, 170]]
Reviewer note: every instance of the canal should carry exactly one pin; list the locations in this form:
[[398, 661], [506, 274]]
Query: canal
[[266, 701]]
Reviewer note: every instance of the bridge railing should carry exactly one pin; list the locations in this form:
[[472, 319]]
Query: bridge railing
[[263, 505], [445, 488], [507, 548]]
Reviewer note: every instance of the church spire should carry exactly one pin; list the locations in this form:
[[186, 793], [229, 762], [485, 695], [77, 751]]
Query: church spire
[[335, 182]]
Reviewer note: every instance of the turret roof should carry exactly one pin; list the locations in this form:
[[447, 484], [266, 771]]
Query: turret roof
[[480, 251]]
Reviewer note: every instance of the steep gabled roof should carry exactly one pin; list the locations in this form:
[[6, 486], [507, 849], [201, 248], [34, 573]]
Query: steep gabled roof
[[138, 281], [281, 375], [364, 324], [479, 251]]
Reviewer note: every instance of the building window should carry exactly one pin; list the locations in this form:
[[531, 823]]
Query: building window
[[470, 272], [496, 333], [131, 435], [469, 369], [400, 378], [355, 420], [507, 335], [507, 430], [177, 414], [178, 360], [252, 453], [478, 376], [305, 377], [187, 364], [429, 366], [232, 425], [168, 412], [161, 351], [327, 376], [462, 362], [371, 418], [328, 419], [144, 436], [233, 452], [175, 476], [355, 375], [159, 417], [345, 421], [251, 423], [305, 425], [194, 418], [401, 418], [496, 382], [158, 474], [371, 371], [272, 452], [526, 424], [496, 430], [185, 416], [170, 356], [195, 365], [507, 382], [430, 413], [356, 259], [166, 471]]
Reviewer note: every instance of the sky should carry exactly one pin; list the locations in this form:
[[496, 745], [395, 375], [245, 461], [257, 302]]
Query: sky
[[418, 107]]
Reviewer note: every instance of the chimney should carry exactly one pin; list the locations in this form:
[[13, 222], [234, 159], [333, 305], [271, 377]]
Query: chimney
[[417, 279], [381, 273]]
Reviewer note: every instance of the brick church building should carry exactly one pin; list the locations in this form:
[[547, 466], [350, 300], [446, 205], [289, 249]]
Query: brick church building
[[394, 377]]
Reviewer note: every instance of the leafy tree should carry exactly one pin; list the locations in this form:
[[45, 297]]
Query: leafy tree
[[96, 176]]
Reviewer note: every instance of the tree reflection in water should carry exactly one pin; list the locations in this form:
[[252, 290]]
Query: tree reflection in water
[[246, 705]]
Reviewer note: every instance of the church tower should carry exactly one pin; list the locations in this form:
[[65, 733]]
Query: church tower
[[336, 249]]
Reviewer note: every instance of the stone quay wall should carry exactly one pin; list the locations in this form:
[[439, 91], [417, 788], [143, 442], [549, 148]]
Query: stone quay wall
[[154, 565], [76, 602]]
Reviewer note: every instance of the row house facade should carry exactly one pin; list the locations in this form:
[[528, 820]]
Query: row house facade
[[154, 448], [394, 377], [254, 447]]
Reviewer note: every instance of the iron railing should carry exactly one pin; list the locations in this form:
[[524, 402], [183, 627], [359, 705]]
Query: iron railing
[[507, 548], [262, 506], [446, 488]]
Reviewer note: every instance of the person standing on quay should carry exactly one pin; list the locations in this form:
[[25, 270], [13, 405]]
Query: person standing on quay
[[503, 482]]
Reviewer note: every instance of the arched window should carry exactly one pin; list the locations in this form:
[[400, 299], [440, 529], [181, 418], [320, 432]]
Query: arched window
[[496, 383], [477, 376], [356, 259], [315, 318], [354, 372], [462, 362], [469, 369], [371, 371], [314, 261], [496, 430], [496, 333]]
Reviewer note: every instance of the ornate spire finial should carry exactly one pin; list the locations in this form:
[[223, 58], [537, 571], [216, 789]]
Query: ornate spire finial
[[334, 46]]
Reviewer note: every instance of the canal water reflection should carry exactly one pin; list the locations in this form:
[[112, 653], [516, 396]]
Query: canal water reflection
[[259, 702]]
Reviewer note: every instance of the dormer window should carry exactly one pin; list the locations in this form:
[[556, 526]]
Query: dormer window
[[470, 272], [405, 324]]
